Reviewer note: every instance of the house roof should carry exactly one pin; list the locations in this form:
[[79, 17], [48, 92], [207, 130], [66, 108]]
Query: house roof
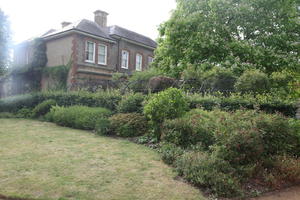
[[93, 28]]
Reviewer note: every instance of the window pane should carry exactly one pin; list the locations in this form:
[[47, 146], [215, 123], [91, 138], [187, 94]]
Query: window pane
[[102, 54], [90, 51], [125, 56]]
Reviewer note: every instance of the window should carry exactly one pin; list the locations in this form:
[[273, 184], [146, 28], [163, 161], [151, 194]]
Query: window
[[138, 62], [150, 60], [125, 59], [102, 54], [90, 52]]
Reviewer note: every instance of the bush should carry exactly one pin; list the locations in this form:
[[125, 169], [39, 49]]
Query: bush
[[15, 103], [192, 129], [167, 104], [203, 169], [6, 115], [170, 153], [160, 83], [80, 117], [253, 81], [131, 103], [138, 82], [103, 126], [43, 108], [128, 124], [24, 113]]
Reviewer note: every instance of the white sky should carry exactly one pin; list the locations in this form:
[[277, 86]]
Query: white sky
[[30, 18]]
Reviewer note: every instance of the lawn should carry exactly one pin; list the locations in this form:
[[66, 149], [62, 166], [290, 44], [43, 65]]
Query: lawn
[[40, 160]]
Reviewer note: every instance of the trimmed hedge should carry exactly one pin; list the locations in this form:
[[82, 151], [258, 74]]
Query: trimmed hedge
[[80, 117], [43, 108], [232, 103], [106, 99]]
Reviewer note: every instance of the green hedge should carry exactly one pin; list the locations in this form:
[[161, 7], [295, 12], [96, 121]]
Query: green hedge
[[81, 117], [236, 102], [106, 99]]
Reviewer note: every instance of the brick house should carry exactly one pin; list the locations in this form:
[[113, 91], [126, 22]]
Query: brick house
[[94, 49]]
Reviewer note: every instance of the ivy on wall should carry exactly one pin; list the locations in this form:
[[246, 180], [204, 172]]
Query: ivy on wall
[[58, 75]]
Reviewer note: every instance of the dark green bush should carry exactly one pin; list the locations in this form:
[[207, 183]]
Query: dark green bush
[[170, 153], [128, 124], [253, 81], [43, 108], [80, 117], [15, 103], [131, 103], [6, 115], [24, 113], [194, 128], [203, 169], [103, 126], [138, 82]]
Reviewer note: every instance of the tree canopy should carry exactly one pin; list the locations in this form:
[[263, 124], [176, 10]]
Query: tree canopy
[[236, 34], [4, 42]]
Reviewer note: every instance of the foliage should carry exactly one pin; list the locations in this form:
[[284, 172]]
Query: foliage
[[170, 153], [195, 128], [6, 115], [203, 170], [81, 117], [253, 81], [15, 103], [24, 113], [267, 103], [5, 39], [160, 83], [167, 104], [208, 78], [138, 82], [59, 74], [128, 124], [103, 126], [131, 103], [43, 108], [261, 34]]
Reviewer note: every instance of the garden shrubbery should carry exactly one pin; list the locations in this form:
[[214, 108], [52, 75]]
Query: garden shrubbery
[[81, 117], [128, 124], [131, 103], [43, 108]]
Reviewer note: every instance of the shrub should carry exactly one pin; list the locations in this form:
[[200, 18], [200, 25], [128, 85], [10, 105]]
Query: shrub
[[103, 126], [253, 81], [80, 117], [15, 103], [194, 128], [6, 115], [203, 169], [159, 83], [24, 113], [128, 124], [43, 108], [138, 82], [167, 104], [131, 103], [170, 153]]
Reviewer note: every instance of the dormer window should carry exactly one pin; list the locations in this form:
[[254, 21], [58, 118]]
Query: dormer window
[[90, 52]]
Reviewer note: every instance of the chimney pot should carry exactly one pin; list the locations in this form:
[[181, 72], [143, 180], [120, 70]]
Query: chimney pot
[[101, 18]]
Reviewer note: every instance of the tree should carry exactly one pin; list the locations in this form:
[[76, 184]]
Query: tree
[[237, 34], [4, 42]]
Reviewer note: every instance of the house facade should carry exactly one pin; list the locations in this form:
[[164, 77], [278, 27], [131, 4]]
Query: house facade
[[92, 49]]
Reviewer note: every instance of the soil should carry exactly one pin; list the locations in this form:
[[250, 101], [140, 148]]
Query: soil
[[292, 193]]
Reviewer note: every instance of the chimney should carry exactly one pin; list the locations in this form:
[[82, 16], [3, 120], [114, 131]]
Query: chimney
[[64, 24], [101, 18]]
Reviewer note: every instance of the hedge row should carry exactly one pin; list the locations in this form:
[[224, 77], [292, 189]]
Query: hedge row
[[106, 99], [232, 103]]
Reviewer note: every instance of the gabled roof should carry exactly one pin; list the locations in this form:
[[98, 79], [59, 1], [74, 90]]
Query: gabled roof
[[93, 28]]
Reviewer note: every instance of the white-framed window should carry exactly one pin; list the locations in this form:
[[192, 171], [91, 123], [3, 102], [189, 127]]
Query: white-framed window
[[125, 59], [150, 60], [138, 62], [90, 51], [102, 54]]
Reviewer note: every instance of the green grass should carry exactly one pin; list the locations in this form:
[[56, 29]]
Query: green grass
[[40, 160]]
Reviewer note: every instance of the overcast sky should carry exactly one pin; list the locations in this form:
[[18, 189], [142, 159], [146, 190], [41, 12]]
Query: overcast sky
[[30, 18]]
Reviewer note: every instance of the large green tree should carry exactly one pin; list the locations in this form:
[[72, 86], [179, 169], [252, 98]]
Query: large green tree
[[238, 34], [4, 42]]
